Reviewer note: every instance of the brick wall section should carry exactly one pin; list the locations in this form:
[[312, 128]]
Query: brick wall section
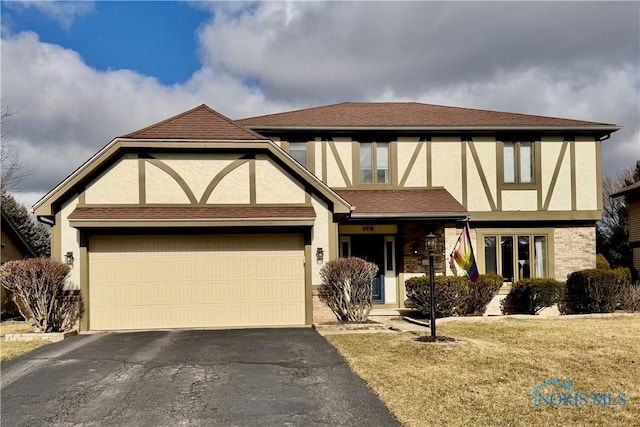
[[321, 313], [414, 236], [575, 249]]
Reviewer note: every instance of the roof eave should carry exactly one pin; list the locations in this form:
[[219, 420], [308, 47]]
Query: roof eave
[[585, 128], [411, 215]]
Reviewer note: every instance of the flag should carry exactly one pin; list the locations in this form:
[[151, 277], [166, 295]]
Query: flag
[[463, 255]]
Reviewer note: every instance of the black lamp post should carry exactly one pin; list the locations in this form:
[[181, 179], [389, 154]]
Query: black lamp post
[[431, 246]]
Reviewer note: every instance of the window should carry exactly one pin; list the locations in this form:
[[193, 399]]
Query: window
[[374, 162], [298, 150], [515, 256], [518, 162]]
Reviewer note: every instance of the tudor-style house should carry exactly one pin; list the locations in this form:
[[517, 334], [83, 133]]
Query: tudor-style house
[[202, 221]]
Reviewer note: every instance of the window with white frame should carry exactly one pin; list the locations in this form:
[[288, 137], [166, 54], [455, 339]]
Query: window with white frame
[[518, 162]]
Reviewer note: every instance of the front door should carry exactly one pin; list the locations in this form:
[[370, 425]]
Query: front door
[[371, 248]]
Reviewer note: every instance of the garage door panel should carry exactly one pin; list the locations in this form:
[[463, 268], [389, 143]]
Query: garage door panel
[[196, 281]]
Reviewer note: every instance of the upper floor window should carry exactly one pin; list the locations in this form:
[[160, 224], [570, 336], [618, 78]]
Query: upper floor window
[[298, 150], [374, 162], [518, 162]]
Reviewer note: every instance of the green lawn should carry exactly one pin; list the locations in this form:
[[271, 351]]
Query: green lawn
[[486, 378]]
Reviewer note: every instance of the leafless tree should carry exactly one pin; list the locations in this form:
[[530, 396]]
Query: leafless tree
[[12, 169]]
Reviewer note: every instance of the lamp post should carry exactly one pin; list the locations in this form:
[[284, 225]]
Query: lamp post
[[431, 245]]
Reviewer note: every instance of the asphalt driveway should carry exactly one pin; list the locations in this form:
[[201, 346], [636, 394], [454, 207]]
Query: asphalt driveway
[[249, 377]]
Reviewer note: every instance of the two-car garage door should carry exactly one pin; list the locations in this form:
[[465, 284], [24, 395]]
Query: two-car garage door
[[146, 282]]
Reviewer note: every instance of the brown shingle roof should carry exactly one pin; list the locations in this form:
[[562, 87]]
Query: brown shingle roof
[[403, 114], [429, 202], [161, 213], [200, 123]]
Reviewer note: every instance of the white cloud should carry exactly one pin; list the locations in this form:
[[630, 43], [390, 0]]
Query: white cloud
[[269, 57], [63, 12]]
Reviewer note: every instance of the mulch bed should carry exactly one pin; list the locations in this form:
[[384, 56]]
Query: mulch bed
[[439, 338]]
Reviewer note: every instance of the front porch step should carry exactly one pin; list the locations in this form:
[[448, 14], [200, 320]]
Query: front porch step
[[493, 309]]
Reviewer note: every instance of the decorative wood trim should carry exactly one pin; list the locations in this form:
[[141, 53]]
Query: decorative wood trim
[[429, 164], [483, 178], [311, 156], [556, 172], [393, 163], [572, 158], [412, 162], [252, 181], [220, 175], [338, 160], [82, 197], [538, 170], [324, 162], [536, 215], [142, 181], [355, 156], [177, 178], [463, 159]]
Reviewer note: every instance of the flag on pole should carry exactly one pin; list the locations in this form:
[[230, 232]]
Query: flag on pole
[[463, 254]]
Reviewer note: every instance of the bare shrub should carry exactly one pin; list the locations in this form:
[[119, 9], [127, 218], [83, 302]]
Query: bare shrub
[[37, 287], [631, 298], [347, 288]]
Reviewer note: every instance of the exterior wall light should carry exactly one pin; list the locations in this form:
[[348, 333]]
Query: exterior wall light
[[68, 259], [319, 255]]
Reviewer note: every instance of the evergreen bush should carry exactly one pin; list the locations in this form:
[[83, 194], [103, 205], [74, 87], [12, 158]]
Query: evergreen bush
[[529, 296], [595, 291]]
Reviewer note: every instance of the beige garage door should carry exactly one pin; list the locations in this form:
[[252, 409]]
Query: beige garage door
[[146, 282]]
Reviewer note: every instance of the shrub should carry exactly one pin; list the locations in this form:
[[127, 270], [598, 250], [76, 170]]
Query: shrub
[[595, 291], [450, 294], [631, 298], [347, 288], [602, 263], [482, 292], [37, 287], [529, 296]]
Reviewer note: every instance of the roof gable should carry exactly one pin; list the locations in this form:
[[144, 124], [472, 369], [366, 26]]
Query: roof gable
[[200, 123], [406, 114]]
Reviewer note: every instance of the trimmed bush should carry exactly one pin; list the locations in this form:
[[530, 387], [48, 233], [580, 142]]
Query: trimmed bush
[[595, 291], [454, 295], [529, 296], [37, 287], [602, 263], [482, 292], [450, 294], [347, 288]]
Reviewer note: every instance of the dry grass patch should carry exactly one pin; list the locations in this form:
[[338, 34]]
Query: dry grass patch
[[12, 349], [486, 379]]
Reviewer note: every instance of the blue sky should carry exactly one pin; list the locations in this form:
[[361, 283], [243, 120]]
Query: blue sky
[[154, 38], [75, 75]]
